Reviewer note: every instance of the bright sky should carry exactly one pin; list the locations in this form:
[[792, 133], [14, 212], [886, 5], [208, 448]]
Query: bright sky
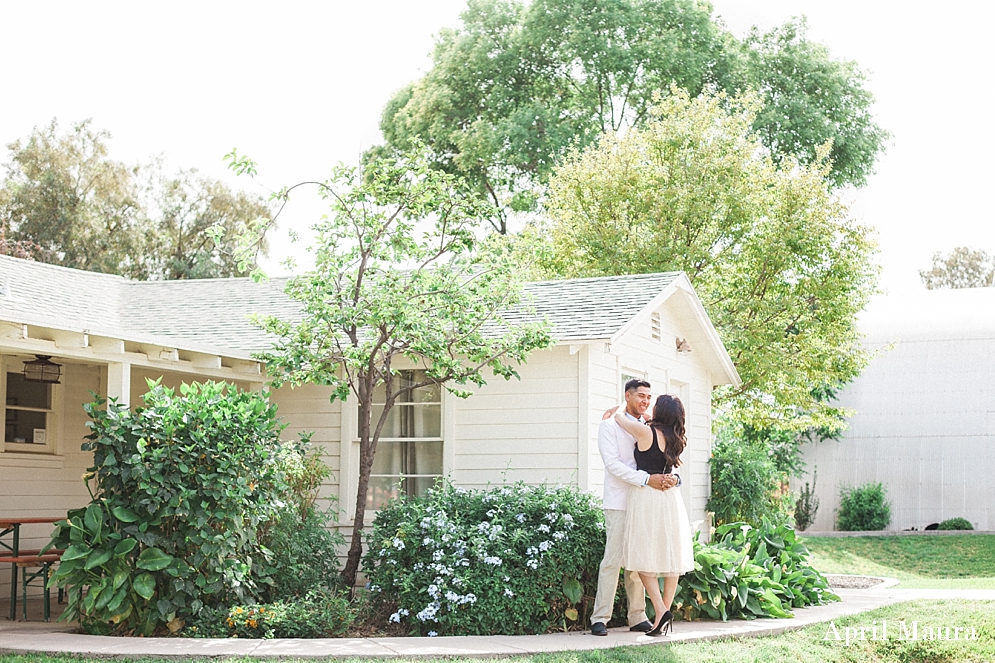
[[299, 87]]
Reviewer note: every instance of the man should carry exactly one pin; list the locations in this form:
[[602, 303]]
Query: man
[[616, 447]]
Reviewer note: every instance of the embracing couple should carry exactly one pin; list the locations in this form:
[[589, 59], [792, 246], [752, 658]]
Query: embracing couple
[[647, 526]]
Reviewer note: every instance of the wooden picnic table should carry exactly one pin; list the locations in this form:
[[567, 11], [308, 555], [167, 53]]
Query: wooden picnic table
[[10, 549]]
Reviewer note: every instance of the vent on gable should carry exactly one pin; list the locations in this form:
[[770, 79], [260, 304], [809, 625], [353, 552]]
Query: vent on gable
[[655, 327]]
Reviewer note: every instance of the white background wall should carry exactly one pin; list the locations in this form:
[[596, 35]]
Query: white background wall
[[925, 413]]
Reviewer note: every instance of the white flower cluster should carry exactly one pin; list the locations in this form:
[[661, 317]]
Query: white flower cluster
[[488, 543], [428, 614]]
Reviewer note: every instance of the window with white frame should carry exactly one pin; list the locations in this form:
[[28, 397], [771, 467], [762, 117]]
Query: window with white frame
[[409, 454], [629, 375], [28, 414]]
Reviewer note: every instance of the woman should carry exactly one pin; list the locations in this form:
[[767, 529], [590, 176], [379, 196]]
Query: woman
[[658, 532]]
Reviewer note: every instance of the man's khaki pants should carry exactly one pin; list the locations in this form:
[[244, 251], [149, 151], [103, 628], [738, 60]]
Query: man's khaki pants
[[608, 576]]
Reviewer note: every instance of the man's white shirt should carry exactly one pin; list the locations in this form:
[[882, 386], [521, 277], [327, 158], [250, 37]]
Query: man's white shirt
[[617, 451]]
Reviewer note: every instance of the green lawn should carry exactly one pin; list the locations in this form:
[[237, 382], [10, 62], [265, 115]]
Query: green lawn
[[808, 645], [941, 562]]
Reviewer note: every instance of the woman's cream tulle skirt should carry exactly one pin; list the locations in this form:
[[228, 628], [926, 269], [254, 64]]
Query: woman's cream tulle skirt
[[657, 532]]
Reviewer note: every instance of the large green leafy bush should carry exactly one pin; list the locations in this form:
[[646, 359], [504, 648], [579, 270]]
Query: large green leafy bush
[[750, 572], [863, 509], [182, 487], [746, 482], [510, 560]]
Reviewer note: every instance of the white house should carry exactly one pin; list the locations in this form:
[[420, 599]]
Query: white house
[[109, 334], [925, 412]]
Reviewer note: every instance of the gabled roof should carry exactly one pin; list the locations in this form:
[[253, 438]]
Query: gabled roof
[[590, 308], [212, 315]]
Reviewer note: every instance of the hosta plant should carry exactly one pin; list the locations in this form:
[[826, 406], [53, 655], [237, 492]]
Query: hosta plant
[[751, 572]]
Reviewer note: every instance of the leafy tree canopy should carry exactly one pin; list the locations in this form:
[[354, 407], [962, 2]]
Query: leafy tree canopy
[[65, 201], [399, 283], [778, 264], [518, 86], [964, 267]]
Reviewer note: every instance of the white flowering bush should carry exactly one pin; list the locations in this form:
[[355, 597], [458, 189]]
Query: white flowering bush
[[510, 560]]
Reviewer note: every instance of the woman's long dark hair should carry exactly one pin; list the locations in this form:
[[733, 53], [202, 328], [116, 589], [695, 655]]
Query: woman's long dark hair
[[668, 420]]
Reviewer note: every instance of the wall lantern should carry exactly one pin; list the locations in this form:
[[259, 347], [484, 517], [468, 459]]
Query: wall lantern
[[683, 346], [42, 370]]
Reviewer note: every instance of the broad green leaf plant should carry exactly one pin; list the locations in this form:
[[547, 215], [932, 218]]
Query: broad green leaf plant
[[399, 283], [180, 489], [749, 572]]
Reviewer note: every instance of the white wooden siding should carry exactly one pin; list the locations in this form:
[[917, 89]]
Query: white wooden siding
[[520, 430], [309, 409], [666, 370]]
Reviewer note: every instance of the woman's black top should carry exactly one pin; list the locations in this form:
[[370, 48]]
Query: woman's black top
[[652, 460]]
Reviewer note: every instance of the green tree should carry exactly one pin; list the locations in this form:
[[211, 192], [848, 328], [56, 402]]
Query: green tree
[[398, 283], [16, 248], [80, 207], [810, 99], [187, 205], [518, 86], [778, 264], [963, 267], [65, 201]]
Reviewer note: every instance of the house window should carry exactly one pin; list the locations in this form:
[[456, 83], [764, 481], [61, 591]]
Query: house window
[[409, 454], [626, 376], [27, 414]]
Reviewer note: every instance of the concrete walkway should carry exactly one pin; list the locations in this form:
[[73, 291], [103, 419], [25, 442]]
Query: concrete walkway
[[53, 638]]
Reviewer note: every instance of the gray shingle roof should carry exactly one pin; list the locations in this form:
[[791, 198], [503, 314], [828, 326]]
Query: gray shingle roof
[[212, 314], [592, 308]]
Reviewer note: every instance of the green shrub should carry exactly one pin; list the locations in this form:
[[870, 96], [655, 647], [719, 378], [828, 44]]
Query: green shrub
[[183, 486], [317, 614], [746, 483], [302, 541], [750, 572], [956, 523], [510, 560], [863, 509], [304, 555], [806, 506]]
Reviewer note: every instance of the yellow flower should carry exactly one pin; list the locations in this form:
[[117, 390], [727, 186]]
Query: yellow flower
[[238, 611]]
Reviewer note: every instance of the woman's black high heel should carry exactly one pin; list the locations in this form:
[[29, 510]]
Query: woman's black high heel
[[664, 626]]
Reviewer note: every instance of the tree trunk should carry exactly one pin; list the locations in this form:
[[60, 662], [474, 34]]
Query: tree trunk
[[366, 450], [351, 569]]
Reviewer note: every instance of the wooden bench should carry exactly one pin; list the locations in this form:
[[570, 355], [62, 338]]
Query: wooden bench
[[31, 559]]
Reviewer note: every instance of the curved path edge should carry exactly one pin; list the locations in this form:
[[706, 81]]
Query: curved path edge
[[41, 638]]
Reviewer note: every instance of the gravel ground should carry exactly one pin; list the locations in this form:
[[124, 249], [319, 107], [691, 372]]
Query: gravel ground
[[852, 582]]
